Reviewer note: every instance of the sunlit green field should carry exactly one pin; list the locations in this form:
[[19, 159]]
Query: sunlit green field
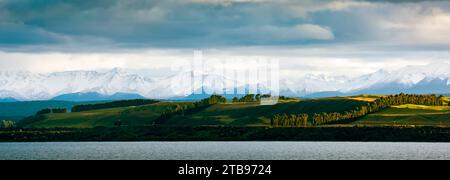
[[416, 115], [253, 114], [446, 101], [366, 98], [141, 115]]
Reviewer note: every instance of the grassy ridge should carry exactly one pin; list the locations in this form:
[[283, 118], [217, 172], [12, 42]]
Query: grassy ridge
[[256, 115], [247, 114], [240, 114], [239, 122], [422, 107], [416, 115], [139, 115]]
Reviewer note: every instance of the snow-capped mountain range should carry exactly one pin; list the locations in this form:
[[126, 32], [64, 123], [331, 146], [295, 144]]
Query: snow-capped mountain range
[[425, 79], [34, 86], [432, 78]]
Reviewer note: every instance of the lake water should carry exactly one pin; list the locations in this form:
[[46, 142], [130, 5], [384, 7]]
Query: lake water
[[223, 150]]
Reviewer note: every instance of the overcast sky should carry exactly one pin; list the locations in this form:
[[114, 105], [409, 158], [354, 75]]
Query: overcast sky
[[311, 36]]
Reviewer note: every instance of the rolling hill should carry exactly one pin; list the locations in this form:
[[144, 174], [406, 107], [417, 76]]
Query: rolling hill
[[249, 114], [240, 114], [409, 115], [246, 114], [132, 116]]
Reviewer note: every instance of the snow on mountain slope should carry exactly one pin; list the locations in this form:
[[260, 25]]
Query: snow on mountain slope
[[430, 78], [406, 79], [31, 86], [310, 83], [412, 75], [365, 81]]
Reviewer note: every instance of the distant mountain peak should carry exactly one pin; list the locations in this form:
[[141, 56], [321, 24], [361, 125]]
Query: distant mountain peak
[[382, 71], [8, 100], [94, 96], [22, 85], [117, 70]]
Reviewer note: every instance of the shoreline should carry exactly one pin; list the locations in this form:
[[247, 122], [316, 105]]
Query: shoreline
[[229, 134]]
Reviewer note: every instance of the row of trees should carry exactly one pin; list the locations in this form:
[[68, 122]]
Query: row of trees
[[184, 109], [326, 118], [124, 103], [214, 99], [179, 109], [250, 98], [372, 107], [378, 105], [285, 120], [51, 110], [400, 99], [257, 98]]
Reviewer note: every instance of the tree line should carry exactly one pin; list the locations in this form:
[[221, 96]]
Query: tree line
[[372, 107], [51, 110], [257, 98], [186, 109], [214, 99], [292, 120], [114, 104], [251, 98], [376, 106]]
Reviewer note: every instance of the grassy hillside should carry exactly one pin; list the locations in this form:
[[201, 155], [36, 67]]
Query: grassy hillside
[[367, 98], [240, 114], [446, 101], [416, 115], [246, 114], [255, 115], [133, 116]]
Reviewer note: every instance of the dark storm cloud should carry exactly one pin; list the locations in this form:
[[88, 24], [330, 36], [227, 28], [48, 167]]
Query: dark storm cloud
[[162, 23], [93, 24]]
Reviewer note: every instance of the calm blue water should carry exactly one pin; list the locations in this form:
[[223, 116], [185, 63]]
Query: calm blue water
[[222, 150]]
